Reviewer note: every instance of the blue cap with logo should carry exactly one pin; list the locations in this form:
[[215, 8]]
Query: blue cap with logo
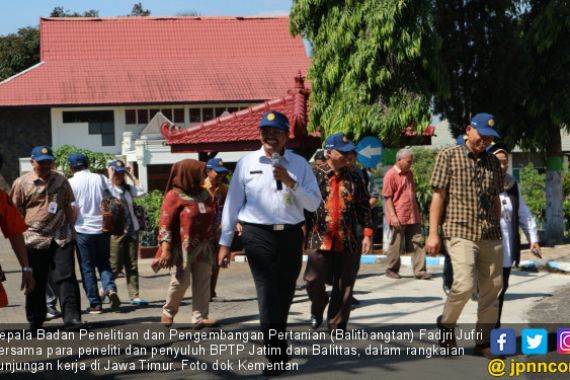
[[42, 153], [118, 165], [77, 159], [217, 165], [274, 119], [484, 123], [339, 142]]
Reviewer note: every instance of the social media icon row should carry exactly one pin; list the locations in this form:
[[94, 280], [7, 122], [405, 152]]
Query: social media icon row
[[533, 341]]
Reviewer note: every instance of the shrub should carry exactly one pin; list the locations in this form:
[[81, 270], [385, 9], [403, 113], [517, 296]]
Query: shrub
[[424, 160], [97, 161], [533, 192], [152, 202]]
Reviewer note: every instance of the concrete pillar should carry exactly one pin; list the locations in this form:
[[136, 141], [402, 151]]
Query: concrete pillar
[[141, 156]]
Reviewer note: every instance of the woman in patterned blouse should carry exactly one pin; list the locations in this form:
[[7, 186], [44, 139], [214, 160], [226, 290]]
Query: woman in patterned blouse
[[187, 240]]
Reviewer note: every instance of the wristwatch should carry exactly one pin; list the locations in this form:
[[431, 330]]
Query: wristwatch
[[27, 269]]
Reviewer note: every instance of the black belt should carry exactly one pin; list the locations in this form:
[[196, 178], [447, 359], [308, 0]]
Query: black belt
[[273, 227]]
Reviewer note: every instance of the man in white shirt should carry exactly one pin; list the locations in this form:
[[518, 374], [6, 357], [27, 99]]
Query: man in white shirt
[[93, 246], [269, 191], [515, 215]]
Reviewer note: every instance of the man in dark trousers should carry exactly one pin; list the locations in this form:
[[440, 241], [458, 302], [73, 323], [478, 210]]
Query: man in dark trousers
[[268, 192], [331, 234], [44, 197]]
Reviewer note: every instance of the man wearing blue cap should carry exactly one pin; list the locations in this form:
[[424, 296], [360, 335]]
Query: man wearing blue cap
[[218, 190], [331, 234], [44, 197], [268, 193], [466, 184], [93, 245]]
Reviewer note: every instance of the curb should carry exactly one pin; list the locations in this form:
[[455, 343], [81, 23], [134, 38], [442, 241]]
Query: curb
[[373, 259]]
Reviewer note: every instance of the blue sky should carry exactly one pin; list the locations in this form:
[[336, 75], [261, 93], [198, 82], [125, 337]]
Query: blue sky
[[21, 13]]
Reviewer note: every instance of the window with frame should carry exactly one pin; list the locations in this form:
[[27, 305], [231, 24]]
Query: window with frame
[[98, 123]]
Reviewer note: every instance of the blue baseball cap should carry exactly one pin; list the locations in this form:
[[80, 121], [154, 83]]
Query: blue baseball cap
[[118, 165], [77, 159], [460, 140], [42, 153], [484, 123], [274, 119], [339, 142], [217, 165]]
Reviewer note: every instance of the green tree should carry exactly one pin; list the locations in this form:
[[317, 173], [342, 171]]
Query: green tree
[[61, 12], [97, 161], [484, 60], [19, 51], [511, 58], [373, 66], [546, 28], [138, 10], [532, 190]]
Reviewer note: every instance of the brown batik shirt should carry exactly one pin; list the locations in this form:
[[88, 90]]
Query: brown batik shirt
[[33, 197], [345, 204], [471, 184]]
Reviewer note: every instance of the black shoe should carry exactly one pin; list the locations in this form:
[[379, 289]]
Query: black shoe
[[316, 321], [484, 350], [52, 313], [73, 324], [34, 327]]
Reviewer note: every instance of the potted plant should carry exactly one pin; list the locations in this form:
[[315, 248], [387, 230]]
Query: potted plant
[[148, 244]]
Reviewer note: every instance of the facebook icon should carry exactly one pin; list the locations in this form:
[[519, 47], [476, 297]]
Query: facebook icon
[[503, 341]]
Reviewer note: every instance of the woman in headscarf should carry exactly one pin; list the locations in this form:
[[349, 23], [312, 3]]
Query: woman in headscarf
[[514, 214], [187, 241]]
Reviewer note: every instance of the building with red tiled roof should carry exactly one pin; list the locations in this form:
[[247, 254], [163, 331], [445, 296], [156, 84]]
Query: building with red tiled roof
[[101, 77], [239, 131]]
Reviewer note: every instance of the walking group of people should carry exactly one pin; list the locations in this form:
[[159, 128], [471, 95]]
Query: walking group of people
[[281, 206], [49, 218]]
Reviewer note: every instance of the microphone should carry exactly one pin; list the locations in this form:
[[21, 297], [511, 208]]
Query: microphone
[[275, 158]]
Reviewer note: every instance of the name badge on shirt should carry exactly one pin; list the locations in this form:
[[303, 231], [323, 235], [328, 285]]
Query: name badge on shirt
[[202, 207], [52, 207], [288, 199]]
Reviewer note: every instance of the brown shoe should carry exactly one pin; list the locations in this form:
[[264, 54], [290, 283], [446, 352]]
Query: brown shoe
[[485, 351], [208, 322], [392, 274], [166, 319], [423, 275], [446, 335]]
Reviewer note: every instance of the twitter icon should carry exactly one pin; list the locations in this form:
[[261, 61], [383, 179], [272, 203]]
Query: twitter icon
[[534, 341]]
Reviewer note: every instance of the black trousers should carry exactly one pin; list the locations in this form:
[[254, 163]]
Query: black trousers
[[275, 259], [337, 269], [59, 263]]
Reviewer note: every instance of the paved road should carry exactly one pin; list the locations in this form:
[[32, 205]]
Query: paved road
[[388, 306]]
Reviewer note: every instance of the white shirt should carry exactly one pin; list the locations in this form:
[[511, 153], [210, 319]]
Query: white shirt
[[253, 196], [88, 189], [526, 222], [134, 192]]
